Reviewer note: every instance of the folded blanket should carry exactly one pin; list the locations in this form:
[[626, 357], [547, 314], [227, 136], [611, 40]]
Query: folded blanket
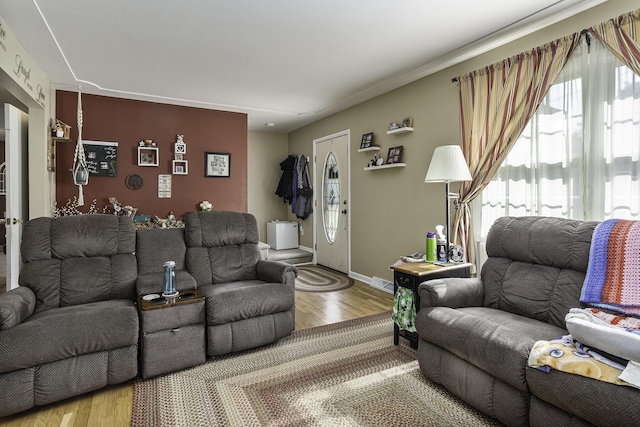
[[598, 317], [617, 335], [566, 355], [613, 274]]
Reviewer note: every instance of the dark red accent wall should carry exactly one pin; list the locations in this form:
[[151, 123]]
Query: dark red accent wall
[[127, 122]]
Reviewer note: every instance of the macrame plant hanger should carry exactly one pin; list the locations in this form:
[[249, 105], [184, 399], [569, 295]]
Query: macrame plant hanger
[[80, 171]]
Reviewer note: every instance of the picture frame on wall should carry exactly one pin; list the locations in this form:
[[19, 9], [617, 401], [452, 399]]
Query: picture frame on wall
[[180, 167], [148, 156], [367, 140], [408, 122], [217, 165], [394, 155]]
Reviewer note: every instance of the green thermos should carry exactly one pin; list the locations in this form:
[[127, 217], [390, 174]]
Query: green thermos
[[431, 246]]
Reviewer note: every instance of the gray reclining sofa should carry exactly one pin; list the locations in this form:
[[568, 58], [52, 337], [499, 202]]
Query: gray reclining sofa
[[475, 334], [73, 325]]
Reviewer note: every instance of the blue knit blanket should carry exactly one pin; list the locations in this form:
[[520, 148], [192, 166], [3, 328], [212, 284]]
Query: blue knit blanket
[[613, 274]]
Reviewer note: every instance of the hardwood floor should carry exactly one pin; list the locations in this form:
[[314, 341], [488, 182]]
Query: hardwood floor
[[111, 406]]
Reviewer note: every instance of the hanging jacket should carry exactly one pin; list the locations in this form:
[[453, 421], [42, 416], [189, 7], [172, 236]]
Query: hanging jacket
[[285, 186], [294, 186], [304, 194]]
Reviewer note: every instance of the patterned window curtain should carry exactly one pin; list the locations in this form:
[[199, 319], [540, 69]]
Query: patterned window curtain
[[496, 103], [620, 35]]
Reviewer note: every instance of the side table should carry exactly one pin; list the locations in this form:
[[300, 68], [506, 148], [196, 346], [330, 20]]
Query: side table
[[411, 275], [172, 333]]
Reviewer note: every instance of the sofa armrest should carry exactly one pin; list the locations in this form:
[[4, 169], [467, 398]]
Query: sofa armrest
[[276, 272], [451, 292], [16, 306]]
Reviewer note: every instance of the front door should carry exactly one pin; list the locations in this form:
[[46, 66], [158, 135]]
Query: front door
[[332, 201], [16, 128]]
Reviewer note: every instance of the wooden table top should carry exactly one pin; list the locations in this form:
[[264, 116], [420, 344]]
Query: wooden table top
[[171, 301], [425, 268]]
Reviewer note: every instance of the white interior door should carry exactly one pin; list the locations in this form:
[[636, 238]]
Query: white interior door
[[16, 129], [332, 202]]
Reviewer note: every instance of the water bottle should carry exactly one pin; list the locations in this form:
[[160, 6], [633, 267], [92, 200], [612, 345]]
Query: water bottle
[[442, 250], [169, 279], [431, 246]]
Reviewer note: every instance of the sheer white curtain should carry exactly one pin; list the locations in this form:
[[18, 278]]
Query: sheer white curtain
[[579, 156]]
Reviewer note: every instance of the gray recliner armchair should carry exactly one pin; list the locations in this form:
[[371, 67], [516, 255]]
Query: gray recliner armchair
[[72, 325], [249, 302]]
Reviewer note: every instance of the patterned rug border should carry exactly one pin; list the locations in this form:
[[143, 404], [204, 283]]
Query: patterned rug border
[[325, 272]]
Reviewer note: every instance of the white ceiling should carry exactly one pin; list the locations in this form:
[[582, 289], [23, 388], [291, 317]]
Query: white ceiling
[[287, 62]]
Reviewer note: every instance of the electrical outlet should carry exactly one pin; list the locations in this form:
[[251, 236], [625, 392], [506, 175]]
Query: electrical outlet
[[301, 230]]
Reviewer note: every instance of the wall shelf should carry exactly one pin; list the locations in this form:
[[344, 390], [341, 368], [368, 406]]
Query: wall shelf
[[372, 148], [148, 156], [392, 165], [400, 130]]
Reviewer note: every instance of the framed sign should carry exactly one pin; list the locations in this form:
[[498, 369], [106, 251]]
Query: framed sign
[[101, 157], [367, 140], [395, 155], [164, 186], [217, 165]]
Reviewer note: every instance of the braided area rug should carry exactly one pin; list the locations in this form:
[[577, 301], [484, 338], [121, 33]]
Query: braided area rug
[[316, 278], [346, 374]]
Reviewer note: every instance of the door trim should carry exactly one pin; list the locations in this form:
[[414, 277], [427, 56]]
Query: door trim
[[317, 180]]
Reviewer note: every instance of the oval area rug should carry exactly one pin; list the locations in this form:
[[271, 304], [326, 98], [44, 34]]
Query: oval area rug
[[316, 278]]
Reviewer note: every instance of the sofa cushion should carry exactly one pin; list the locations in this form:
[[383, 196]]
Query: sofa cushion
[[229, 302], [220, 228], [154, 247], [596, 401], [64, 332], [495, 341], [537, 291], [77, 236], [78, 259], [15, 306], [556, 242], [536, 266], [222, 246]]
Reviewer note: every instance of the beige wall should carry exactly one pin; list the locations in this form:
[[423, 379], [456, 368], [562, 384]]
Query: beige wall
[[265, 151], [392, 209], [31, 88]]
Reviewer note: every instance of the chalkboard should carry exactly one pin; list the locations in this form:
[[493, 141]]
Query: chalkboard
[[101, 157]]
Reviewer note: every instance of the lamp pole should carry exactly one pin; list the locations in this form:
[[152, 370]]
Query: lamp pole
[[446, 204]]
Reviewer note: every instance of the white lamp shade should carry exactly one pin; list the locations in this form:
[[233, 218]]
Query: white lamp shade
[[448, 165]]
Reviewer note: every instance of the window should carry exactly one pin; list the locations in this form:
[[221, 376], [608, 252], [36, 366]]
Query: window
[[579, 156]]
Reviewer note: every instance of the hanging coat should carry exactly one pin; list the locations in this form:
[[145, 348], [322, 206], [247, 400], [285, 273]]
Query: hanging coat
[[285, 186], [304, 194], [294, 186]]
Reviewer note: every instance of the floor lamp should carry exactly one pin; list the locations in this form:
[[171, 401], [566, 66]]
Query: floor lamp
[[448, 165]]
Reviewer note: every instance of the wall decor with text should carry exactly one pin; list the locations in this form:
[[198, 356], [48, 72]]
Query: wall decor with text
[[101, 157], [217, 165]]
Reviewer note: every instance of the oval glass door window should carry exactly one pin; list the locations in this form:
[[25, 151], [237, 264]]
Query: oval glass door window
[[330, 197]]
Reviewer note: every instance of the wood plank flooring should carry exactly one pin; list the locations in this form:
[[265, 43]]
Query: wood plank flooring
[[111, 406]]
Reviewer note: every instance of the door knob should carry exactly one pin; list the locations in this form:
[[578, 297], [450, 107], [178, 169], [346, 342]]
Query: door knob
[[344, 211], [10, 221]]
